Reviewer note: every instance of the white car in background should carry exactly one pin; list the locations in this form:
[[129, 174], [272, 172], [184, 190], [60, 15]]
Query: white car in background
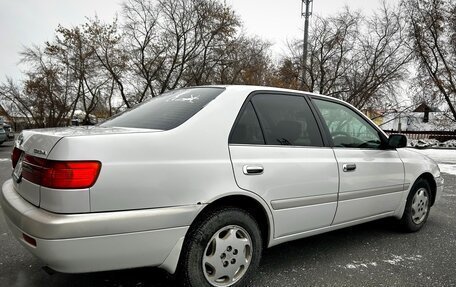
[[200, 180]]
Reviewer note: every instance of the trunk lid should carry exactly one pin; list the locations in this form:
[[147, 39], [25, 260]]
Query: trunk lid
[[40, 142]]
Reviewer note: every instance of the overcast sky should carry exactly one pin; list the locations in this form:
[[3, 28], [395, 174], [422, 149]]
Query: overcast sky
[[26, 22]]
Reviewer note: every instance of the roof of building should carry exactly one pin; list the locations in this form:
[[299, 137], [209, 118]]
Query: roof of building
[[423, 107]]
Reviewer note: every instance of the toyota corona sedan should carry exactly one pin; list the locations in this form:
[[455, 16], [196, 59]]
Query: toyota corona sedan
[[199, 181]]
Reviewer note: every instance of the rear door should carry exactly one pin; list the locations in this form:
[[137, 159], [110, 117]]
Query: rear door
[[371, 177], [277, 152]]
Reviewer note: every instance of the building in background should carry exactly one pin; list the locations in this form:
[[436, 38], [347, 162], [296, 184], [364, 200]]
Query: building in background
[[422, 118]]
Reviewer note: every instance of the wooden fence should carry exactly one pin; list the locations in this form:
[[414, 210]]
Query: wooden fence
[[441, 136]]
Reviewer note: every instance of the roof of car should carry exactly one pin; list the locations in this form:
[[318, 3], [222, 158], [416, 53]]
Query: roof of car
[[252, 88]]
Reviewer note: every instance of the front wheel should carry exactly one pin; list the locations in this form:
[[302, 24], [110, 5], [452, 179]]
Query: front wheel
[[221, 250], [417, 207]]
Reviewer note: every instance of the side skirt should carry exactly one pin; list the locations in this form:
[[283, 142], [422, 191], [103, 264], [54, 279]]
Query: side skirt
[[309, 233]]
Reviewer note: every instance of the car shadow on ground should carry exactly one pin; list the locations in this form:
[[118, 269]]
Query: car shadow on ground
[[320, 248]]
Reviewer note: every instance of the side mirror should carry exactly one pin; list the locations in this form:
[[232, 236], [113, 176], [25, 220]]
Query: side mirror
[[397, 141]]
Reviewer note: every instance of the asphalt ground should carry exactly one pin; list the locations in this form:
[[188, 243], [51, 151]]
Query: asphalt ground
[[372, 254]]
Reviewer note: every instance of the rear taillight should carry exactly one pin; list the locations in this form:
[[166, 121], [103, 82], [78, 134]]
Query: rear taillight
[[60, 174], [15, 155]]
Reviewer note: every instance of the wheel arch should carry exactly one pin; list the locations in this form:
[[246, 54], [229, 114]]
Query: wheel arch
[[427, 176], [255, 206], [240, 204]]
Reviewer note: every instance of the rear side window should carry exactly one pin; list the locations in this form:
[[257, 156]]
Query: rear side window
[[166, 111], [247, 129]]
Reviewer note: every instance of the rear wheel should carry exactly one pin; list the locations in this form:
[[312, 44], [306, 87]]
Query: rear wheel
[[221, 250], [417, 207]]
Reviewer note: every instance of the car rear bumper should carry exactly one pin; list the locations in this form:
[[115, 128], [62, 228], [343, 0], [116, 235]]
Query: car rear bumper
[[75, 243]]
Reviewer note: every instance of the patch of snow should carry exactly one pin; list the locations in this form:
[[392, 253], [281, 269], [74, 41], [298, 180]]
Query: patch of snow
[[423, 143], [447, 156], [450, 143], [431, 143], [398, 260], [414, 258], [448, 168], [5, 159], [359, 264], [395, 261]]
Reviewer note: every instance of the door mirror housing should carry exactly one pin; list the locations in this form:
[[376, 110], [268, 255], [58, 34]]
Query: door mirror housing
[[397, 141]]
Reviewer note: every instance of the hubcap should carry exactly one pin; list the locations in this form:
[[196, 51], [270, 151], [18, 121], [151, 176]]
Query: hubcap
[[420, 206], [227, 256]]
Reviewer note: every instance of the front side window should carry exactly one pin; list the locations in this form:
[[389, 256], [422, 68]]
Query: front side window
[[286, 120], [347, 128], [166, 111]]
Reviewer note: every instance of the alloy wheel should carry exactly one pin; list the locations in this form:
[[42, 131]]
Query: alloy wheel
[[227, 256]]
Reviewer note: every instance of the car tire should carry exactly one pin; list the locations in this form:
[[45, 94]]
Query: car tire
[[222, 249], [417, 207]]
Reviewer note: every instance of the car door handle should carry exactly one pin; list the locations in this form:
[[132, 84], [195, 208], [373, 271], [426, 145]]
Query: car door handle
[[252, 169], [348, 167]]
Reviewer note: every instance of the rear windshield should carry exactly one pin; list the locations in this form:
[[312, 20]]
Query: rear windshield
[[166, 111]]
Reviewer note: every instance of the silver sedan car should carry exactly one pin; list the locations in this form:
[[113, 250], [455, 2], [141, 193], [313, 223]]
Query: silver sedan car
[[199, 181]]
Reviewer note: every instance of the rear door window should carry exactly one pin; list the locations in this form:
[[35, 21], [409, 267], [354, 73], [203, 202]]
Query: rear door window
[[283, 120], [166, 111], [286, 120]]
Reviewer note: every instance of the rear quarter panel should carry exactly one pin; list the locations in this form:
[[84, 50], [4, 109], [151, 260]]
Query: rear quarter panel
[[186, 165]]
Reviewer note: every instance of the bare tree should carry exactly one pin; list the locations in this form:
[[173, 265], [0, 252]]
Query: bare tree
[[144, 45], [17, 103], [217, 27], [107, 46], [432, 34], [44, 99], [74, 49], [360, 60], [244, 60], [383, 61], [179, 43]]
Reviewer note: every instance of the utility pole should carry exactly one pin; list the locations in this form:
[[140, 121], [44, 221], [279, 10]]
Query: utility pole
[[305, 12]]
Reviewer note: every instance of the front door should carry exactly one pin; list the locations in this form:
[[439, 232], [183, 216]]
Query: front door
[[371, 177]]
